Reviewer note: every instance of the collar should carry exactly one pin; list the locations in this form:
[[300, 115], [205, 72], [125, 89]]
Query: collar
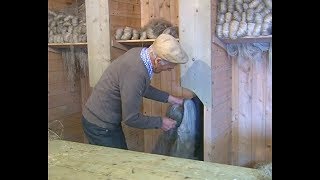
[[146, 61]]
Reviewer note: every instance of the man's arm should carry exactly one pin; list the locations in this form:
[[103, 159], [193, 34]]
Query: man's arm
[[156, 94]]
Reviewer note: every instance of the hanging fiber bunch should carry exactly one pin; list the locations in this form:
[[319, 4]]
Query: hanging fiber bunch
[[173, 31], [143, 35], [75, 61], [135, 34], [155, 27], [127, 33], [248, 50], [239, 18]]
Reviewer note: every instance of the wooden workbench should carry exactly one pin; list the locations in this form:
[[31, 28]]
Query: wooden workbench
[[71, 160]]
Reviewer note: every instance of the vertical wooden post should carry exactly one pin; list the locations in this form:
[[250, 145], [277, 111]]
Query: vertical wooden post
[[98, 38], [196, 75]]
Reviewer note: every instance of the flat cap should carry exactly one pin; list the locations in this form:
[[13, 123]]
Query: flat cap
[[169, 49]]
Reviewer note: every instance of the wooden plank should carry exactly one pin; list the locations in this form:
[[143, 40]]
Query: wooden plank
[[134, 138], [195, 20], [58, 77], [155, 7], [98, 33], [54, 56], [115, 53], [235, 112], [176, 88], [59, 4], [208, 143], [61, 99], [62, 88], [71, 160], [85, 90], [72, 127], [145, 12], [174, 12], [140, 43], [245, 111], [121, 46], [165, 86], [125, 9], [147, 111], [67, 45], [221, 111], [55, 66], [248, 39], [62, 111], [268, 108], [258, 110], [164, 9], [122, 21]]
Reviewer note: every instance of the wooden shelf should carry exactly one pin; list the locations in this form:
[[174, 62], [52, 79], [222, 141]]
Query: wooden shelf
[[248, 39], [127, 44], [66, 45], [144, 42]]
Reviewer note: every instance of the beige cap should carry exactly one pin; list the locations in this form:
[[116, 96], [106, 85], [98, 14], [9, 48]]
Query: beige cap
[[169, 49]]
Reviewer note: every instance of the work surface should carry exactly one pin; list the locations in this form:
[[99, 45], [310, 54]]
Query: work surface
[[71, 160]]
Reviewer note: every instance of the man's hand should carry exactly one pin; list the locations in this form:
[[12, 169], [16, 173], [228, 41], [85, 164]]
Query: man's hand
[[175, 100], [168, 123]]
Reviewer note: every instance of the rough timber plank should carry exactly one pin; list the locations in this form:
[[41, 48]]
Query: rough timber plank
[[71, 160], [97, 19]]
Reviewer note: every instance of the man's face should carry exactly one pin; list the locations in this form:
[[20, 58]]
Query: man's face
[[162, 65]]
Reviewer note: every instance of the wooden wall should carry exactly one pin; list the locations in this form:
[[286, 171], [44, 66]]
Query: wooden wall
[[56, 5], [123, 13], [252, 111], [242, 107], [64, 96]]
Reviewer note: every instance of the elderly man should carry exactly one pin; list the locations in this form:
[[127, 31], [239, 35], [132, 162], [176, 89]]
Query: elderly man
[[118, 94]]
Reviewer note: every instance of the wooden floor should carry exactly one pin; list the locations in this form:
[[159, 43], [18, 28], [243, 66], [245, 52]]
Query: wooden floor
[[72, 128]]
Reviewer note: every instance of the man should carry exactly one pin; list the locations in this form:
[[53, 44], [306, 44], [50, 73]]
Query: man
[[119, 93]]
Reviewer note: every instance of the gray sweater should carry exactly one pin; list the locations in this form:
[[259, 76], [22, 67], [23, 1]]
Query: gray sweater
[[119, 92]]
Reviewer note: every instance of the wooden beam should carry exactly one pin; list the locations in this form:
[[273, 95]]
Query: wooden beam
[[66, 45], [195, 39], [97, 20], [249, 39]]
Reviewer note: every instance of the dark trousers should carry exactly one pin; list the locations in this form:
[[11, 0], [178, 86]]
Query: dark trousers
[[104, 137]]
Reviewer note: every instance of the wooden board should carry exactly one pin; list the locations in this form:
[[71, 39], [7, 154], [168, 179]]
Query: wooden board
[[249, 39], [66, 45], [195, 39], [63, 94], [98, 33], [71, 160]]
